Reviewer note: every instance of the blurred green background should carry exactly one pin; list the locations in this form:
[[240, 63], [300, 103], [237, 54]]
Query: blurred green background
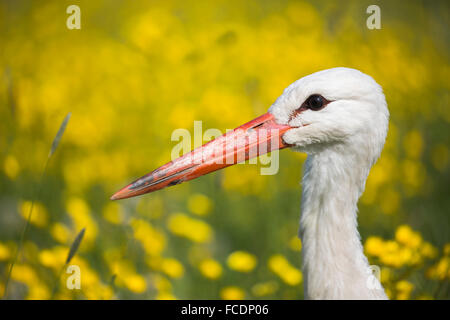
[[137, 70]]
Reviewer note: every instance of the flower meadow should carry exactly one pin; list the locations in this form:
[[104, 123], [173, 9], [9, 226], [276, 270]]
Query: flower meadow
[[136, 71]]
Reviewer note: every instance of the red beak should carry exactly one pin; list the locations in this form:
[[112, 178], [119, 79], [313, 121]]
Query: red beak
[[254, 138]]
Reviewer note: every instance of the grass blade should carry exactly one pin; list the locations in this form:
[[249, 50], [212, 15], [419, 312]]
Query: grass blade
[[55, 143], [75, 245], [59, 134]]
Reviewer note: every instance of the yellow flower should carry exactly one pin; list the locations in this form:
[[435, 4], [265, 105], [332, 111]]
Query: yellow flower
[[172, 267], [295, 243], [241, 261], [441, 270], [99, 292], [199, 204], [405, 235], [5, 254], [79, 211], [127, 276], [152, 240], [136, 283], [193, 229], [39, 291], [11, 167], [39, 216], [404, 289], [165, 296], [210, 268], [232, 293], [374, 246], [25, 274], [264, 288], [279, 265], [386, 275], [53, 258], [60, 232], [428, 250], [392, 259]]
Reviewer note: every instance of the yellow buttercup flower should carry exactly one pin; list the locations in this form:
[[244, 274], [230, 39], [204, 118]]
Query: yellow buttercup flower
[[279, 265], [24, 273], [405, 235], [193, 229], [295, 243], [165, 296], [210, 269], [428, 250], [11, 167], [152, 240], [38, 291], [172, 267], [404, 289], [136, 283], [79, 211], [60, 232], [232, 293], [386, 275], [39, 215], [54, 258], [99, 292], [199, 204], [127, 276], [27, 275], [242, 261], [440, 270], [5, 253], [374, 246]]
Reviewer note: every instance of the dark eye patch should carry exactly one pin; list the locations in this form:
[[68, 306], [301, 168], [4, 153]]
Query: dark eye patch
[[314, 102]]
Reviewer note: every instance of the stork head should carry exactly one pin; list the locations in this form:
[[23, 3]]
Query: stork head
[[338, 109]]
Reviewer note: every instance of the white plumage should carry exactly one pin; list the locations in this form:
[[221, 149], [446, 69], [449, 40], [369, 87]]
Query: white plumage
[[343, 140]]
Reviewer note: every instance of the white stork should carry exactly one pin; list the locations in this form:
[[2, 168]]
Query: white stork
[[339, 117]]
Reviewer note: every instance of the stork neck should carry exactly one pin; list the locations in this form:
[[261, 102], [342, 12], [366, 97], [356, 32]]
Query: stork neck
[[334, 264]]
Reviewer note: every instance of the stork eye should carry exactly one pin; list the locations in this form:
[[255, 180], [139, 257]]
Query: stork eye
[[315, 102]]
